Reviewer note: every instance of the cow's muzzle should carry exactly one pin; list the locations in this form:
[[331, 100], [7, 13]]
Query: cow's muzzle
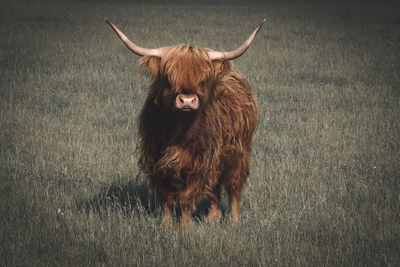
[[187, 102]]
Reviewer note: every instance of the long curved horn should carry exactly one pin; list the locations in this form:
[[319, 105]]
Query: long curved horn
[[140, 51], [214, 55]]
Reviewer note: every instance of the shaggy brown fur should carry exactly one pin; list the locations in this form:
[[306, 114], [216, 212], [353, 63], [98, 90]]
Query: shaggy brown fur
[[191, 155]]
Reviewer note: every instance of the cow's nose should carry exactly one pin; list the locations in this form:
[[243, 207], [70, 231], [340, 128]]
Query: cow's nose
[[187, 102]]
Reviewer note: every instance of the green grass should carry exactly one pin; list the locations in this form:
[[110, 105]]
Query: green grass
[[324, 187]]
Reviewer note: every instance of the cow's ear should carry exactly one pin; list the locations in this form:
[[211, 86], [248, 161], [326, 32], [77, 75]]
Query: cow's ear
[[151, 64], [221, 67]]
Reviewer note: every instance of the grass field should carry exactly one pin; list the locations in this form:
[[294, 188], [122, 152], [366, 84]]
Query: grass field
[[324, 188]]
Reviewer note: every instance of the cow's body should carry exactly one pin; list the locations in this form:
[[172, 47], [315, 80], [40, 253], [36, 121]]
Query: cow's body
[[195, 129]]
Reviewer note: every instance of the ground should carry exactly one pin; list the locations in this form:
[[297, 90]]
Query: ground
[[324, 183]]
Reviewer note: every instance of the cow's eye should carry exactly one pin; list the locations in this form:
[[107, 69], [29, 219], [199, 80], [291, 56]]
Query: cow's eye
[[203, 83]]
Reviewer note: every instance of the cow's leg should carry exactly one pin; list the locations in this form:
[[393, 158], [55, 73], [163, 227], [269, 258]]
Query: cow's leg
[[234, 198], [214, 213], [167, 203], [187, 211], [186, 200], [234, 184], [167, 218]]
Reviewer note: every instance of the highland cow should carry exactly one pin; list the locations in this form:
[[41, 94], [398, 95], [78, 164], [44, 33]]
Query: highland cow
[[195, 127]]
